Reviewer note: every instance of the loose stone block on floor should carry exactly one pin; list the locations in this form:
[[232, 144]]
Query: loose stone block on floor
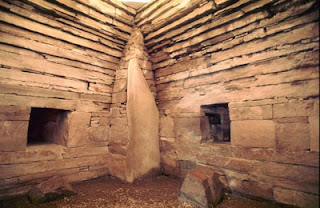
[[202, 187], [52, 189]]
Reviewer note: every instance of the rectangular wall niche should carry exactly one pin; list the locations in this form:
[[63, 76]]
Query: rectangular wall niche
[[215, 125], [47, 126]]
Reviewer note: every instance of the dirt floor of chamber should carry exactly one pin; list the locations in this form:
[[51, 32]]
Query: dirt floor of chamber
[[108, 192]]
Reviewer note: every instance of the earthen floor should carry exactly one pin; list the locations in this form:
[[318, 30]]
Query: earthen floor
[[104, 192]]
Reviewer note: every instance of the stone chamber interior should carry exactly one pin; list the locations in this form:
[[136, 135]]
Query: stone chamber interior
[[94, 88]]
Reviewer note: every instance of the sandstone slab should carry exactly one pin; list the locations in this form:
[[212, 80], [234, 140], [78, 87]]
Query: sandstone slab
[[49, 190], [78, 124], [263, 112], [295, 108], [143, 153], [202, 187], [167, 126], [253, 133], [297, 198], [292, 136], [13, 135], [118, 134], [99, 134], [314, 133]]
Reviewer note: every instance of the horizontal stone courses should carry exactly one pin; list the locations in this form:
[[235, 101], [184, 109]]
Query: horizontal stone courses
[[68, 24], [18, 100], [9, 171], [216, 21], [37, 63], [196, 13], [98, 12], [192, 97], [56, 33], [250, 27], [44, 48], [121, 13], [18, 77], [146, 9], [248, 70]]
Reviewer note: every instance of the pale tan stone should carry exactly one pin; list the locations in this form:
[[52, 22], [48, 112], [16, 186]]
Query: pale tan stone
[[120, 149], [314, 133], [120, 97], [202, 187], [273, 169], [120, 85], [33, 153], [7, 171], [85, 151], [292, 136], [118, 134], [293, 197], [302, 119], [99, 134], [13, 135], [253, 133], [167, 126], [117, 169], [104, 121], [143, 153], [188, 129], [123, 120], [263, 112], [294, 109], [14, 110], [78, 124]]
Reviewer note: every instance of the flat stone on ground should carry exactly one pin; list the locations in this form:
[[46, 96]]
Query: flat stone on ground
[[202, 187], [49, 190]]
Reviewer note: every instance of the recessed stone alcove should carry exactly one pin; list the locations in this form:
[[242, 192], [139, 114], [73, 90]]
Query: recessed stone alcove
[[47, 126], [215, 125]]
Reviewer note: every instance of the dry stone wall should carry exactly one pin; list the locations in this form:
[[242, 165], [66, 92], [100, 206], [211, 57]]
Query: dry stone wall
[[260, 57], [61, 55]]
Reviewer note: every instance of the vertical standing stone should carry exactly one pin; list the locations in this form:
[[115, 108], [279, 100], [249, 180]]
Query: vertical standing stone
[[143, 153]]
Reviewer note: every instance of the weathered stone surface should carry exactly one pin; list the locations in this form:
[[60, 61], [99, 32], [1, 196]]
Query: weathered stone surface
[[85, 151], [120, 85], [167, 126], [143, 153], [294, 109], [296, 198], [263, 112], [202, 187], [188, 129], [13, 135], [118, 168], [14, 113], [302, 119], [254, 188], [314, 133], [253, 133], [120, 149], [119, 97], [292, 136], [78, 124], [49, 190], [118, 134], [99, 134], [288, 171]]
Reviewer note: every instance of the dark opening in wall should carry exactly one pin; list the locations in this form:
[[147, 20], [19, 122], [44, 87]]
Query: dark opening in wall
[[215, 125], [47, 126]]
